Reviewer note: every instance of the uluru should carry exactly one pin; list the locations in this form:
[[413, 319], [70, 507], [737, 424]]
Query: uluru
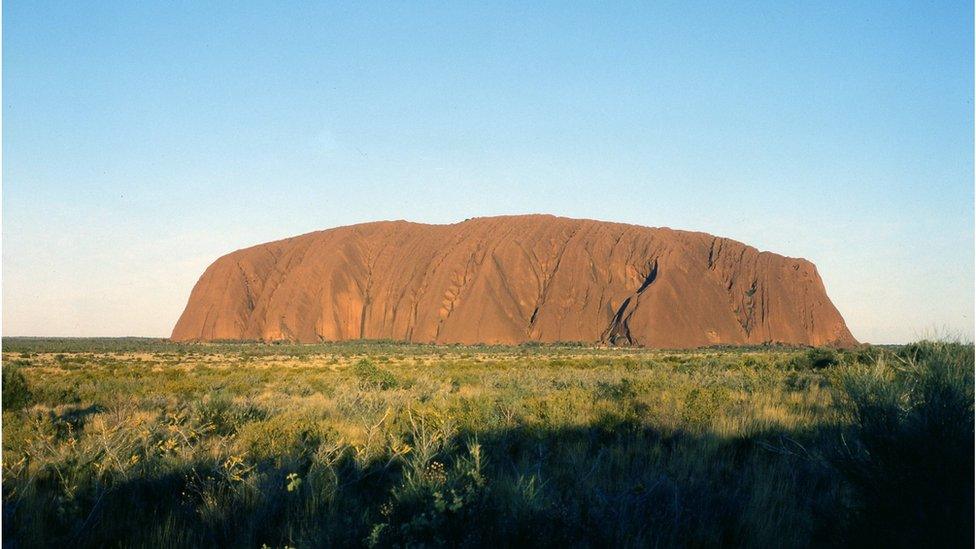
[[511, 280]]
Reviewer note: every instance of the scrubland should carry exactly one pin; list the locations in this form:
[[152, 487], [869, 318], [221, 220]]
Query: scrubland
[[146, 443]]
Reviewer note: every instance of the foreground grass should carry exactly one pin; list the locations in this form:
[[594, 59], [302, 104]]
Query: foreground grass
[[143, 443]]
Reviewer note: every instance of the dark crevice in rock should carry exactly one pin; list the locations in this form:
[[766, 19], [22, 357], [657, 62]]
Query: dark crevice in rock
[[618, 332]]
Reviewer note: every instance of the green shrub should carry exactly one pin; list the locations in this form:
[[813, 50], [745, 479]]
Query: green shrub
[[754, 362], [16, 393], [55, 394], [620, 391], [371, 375], [863, 354], [818, 358], [799, 381], [436, 505], [281, 437], [219, 412], [702, 404]]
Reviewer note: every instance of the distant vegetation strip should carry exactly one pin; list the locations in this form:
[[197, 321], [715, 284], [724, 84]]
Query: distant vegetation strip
[[285, 348]]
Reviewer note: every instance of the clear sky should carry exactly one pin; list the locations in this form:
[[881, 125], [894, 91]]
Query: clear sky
[[141, 140]]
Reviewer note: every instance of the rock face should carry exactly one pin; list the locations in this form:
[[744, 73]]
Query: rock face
[[510, 280]]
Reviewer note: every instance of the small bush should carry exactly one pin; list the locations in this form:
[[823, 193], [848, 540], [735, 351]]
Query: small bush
[[55, 395], [16, 394], [702, 405], [815, 359], [863, 354], [371, 375], [615, 391], [223, 415], [799, 381], [281, 437], [436, 506]]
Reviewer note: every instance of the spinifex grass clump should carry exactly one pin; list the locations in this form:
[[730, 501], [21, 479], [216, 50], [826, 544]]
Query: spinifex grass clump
[[393, 445]]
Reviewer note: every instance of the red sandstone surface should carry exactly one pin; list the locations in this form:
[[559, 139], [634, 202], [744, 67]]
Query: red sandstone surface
[[512, 279]]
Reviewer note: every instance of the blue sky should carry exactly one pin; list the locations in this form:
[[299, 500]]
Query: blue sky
[[142, 140]]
